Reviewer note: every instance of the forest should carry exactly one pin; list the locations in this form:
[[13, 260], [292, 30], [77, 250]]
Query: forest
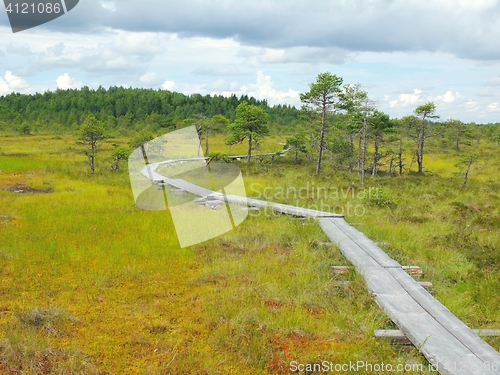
[[346, 129], [123, 109]]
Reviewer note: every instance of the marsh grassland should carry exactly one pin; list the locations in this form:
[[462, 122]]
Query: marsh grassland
[[91, 284]]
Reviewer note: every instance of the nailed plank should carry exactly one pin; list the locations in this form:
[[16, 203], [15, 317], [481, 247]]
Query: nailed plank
[[425, 284], [415, 271], [435, 342], [395, 291], [487, 332], [444, 316], [398, 337], [393, 335], [341, 270], [366, 244]]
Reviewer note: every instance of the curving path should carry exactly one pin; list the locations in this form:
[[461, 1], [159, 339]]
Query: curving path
[[446, 342]]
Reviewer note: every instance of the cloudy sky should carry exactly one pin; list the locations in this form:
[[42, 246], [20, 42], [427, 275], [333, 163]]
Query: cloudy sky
[[403, 52]]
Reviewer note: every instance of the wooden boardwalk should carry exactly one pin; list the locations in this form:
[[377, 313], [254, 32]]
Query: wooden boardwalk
[[446, 342]]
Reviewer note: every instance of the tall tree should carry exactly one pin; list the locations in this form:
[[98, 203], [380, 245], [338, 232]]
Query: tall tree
[[323, 96], [402, 125], [459, 133], [380, 124], [215, 123], [310, 120], [92, 131], [358, 109], [297, 143], [424, 113], [251, 124], [352, 101]]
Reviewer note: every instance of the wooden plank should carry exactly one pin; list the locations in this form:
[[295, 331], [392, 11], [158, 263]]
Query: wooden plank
[[398, 337], [434, 341], [487, 332], [356, 255], [415, 271], [395, 336], [425, 284], [366, 244], [434, 338], [444, 316], [341, 270]]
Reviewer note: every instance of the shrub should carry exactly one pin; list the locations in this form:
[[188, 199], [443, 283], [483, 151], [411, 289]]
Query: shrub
[[376, 196]]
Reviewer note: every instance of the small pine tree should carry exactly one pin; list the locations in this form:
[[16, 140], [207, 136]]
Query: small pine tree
[[91, 132]]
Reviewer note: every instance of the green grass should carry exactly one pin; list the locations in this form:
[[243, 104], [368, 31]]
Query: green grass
[[91, 284]]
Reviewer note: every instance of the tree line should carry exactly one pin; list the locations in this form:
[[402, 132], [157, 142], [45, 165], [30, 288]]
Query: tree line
[[338, 124], [124, 109]]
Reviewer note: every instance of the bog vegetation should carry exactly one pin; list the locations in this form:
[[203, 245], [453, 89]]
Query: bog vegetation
[[93, 285]]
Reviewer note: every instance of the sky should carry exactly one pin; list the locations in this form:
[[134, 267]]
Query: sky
[[404, 53]]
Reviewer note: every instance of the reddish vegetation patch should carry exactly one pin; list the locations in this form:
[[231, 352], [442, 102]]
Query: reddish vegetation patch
[[274, 303], [216, 280], [315, 311], [233, 249], [281, 251], [285, 349]]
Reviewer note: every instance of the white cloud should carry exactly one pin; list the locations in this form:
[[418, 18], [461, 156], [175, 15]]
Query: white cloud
[[112, 52], [471, 106], [302, 54], [151, 79], [262, 89], [18, 49], [12, 83], [494, 81], [169, 85], [109, 5], [405, 100], [66, 82], [494, 107], [15, 82], [487, 91], [449, 97]]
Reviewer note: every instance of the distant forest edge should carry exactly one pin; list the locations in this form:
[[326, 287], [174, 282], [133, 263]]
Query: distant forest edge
[[126, 109], [134, 109]]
